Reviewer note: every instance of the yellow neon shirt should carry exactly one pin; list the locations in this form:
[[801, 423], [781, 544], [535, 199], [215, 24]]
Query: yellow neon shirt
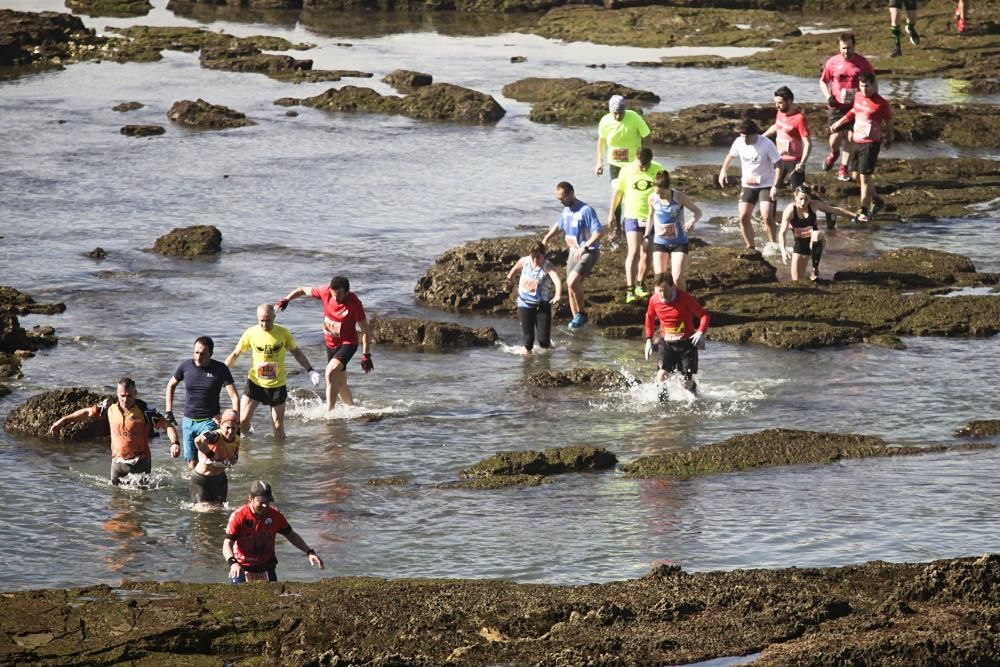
[[636, 186], [267, 365], [624, 137]]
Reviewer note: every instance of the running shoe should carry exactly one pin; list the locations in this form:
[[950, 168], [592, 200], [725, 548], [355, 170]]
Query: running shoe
[[961, 26], [877, 205], [842, 174], [861, 216], [630, 296], [813, 274], [896, 52], [576, 322], [831, 220], [911, 32], [641, 292], [831, 159]]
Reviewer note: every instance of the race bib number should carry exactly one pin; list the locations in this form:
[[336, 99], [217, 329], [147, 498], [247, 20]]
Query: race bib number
[[784, 144], [847, 95], [802, 232], [571, 242], [667, 231], [331, 327], [529, 285], [672, 334], [753, 179], [619, 155], [862, 129], [256, 576], [267, 371]]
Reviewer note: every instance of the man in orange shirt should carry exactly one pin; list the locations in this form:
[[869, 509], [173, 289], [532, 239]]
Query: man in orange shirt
[[131, 424]]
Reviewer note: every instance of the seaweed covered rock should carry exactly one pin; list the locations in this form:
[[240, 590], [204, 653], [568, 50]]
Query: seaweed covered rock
[[910, 267], [249, 58], [127, 106], [190, 241], [586, 377], [429, 334], [405, 80], [25, 304], [38, 413], [553, 461], [114, 8], [42, 39], [573, 100], [143, 130], [15, 341], [203, 115], [765, 449], [980, 428]]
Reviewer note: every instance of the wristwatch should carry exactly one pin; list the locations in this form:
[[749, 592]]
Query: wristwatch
[[231, 560]]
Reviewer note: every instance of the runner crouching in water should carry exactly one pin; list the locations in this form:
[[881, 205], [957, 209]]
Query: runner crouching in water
[[800, 217], [665, 225], [218, 449], [534, 296], [675, 310]]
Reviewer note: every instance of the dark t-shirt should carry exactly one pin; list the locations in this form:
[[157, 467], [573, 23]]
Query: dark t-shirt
[[203, 386]]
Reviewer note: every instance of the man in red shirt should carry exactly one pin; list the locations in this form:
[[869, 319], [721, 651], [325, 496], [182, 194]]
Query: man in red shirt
[[675, 310], [343, 315], [872, 119], [791, 133], [250, 536], [839, 83]]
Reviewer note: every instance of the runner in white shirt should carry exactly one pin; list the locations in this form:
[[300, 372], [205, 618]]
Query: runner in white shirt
[[761, 168]]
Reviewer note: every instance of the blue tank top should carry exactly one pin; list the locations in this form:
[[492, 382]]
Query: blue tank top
[[668, 222], [534, 286]]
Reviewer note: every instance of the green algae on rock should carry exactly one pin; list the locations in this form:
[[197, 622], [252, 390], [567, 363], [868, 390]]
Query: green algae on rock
[[113, 8], [405, 80], [980, 428], [204, 115], [142, 130], [552, 461], [496, 482], [767, 449], [874, 613], [190, 241], [410, 331], [588, 377], [573, 100], [38, 413]]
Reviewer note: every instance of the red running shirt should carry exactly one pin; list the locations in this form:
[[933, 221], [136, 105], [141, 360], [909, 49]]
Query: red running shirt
[[868, 115], [340, 320], [253, 538], [792, 129], [676, 317], [841, 77]]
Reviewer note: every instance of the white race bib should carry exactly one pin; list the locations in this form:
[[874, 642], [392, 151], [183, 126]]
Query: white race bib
[[267, 370], [784, 144], [331, 327], [847, 95], [862, 129], [667, 231], [753, 179], [529, 285]]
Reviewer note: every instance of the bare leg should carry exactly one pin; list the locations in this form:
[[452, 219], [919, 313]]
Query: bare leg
[[798, 266], [247, 406], [866, 190], [678, 263], [643, 259], [333, 369], [767, 213], [575, 288], [632, 256], [278, 421], [746, 226], [661, 262]]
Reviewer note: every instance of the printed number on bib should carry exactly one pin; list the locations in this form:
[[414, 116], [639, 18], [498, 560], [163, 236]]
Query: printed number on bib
[[268, 371], [862, 129], [753, 179], [529, 285], [672, 334], [332, 327], [847, 95], [256, 576], [619, 155], [784, 144], [571, 242], [802, 232], [667, 231]]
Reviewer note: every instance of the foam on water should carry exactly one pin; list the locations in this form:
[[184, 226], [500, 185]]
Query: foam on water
[[309, 406]]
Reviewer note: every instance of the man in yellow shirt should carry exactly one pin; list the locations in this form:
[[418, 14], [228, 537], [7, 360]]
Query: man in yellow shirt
[[268, 342], [620, 133], [635, 185]]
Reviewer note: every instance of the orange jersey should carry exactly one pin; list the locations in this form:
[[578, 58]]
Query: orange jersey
[[130, 429]]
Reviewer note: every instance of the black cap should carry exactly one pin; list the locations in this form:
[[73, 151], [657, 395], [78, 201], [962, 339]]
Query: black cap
[[748, 126], [262, 490]]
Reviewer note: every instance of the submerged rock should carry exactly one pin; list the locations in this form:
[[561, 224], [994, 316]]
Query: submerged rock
[[553, 461], [190, 241], [203, 115], [143, 130], [426, 333], [573, 100], [396, 480], [498, 482], [766, 449], [37, 414], [589, 377], [127, 106], [114, 8], [980, 428]]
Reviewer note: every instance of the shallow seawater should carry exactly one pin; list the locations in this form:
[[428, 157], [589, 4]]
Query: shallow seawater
[[378, 198]]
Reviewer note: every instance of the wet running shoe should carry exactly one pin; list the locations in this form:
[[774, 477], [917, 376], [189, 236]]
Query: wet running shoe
[[641, 292], [576, 322], [842, 174], [630, 296], [911, 32], [831, 159], [896, 52], [877, 205], [813, 274], [831, 220]]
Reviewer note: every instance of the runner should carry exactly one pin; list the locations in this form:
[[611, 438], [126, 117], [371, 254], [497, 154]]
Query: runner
[[343, 315], [839, 82], [203, 378], [809, 240], [960, 10], [665, 224], [534, 296], [131, 423], [911, 25], [268, 342], [791, 132], [582, 229], [218, 449], [250, 537], [619, 135], [872, 119], [761, 166], [675, 310], [635, 184]]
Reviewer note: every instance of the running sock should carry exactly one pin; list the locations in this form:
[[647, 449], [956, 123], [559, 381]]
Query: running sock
[[817, 253], [896, 33]]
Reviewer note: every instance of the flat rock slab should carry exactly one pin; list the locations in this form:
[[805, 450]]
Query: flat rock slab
[[37, 414], [408, 331], [553, 461], [876, 613], [190, 241], [767, 449], [204, 115], [26, 304], [437, 102], [497, 482], [143, 43], [913, 189], [574, 101], [114, 8], [604, 378]]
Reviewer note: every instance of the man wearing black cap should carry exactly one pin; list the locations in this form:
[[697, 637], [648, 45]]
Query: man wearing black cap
[[250, 537], [761, 168]]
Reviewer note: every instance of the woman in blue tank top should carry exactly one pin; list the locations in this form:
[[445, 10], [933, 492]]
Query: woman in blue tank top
[[535, 296], [668, 230]]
